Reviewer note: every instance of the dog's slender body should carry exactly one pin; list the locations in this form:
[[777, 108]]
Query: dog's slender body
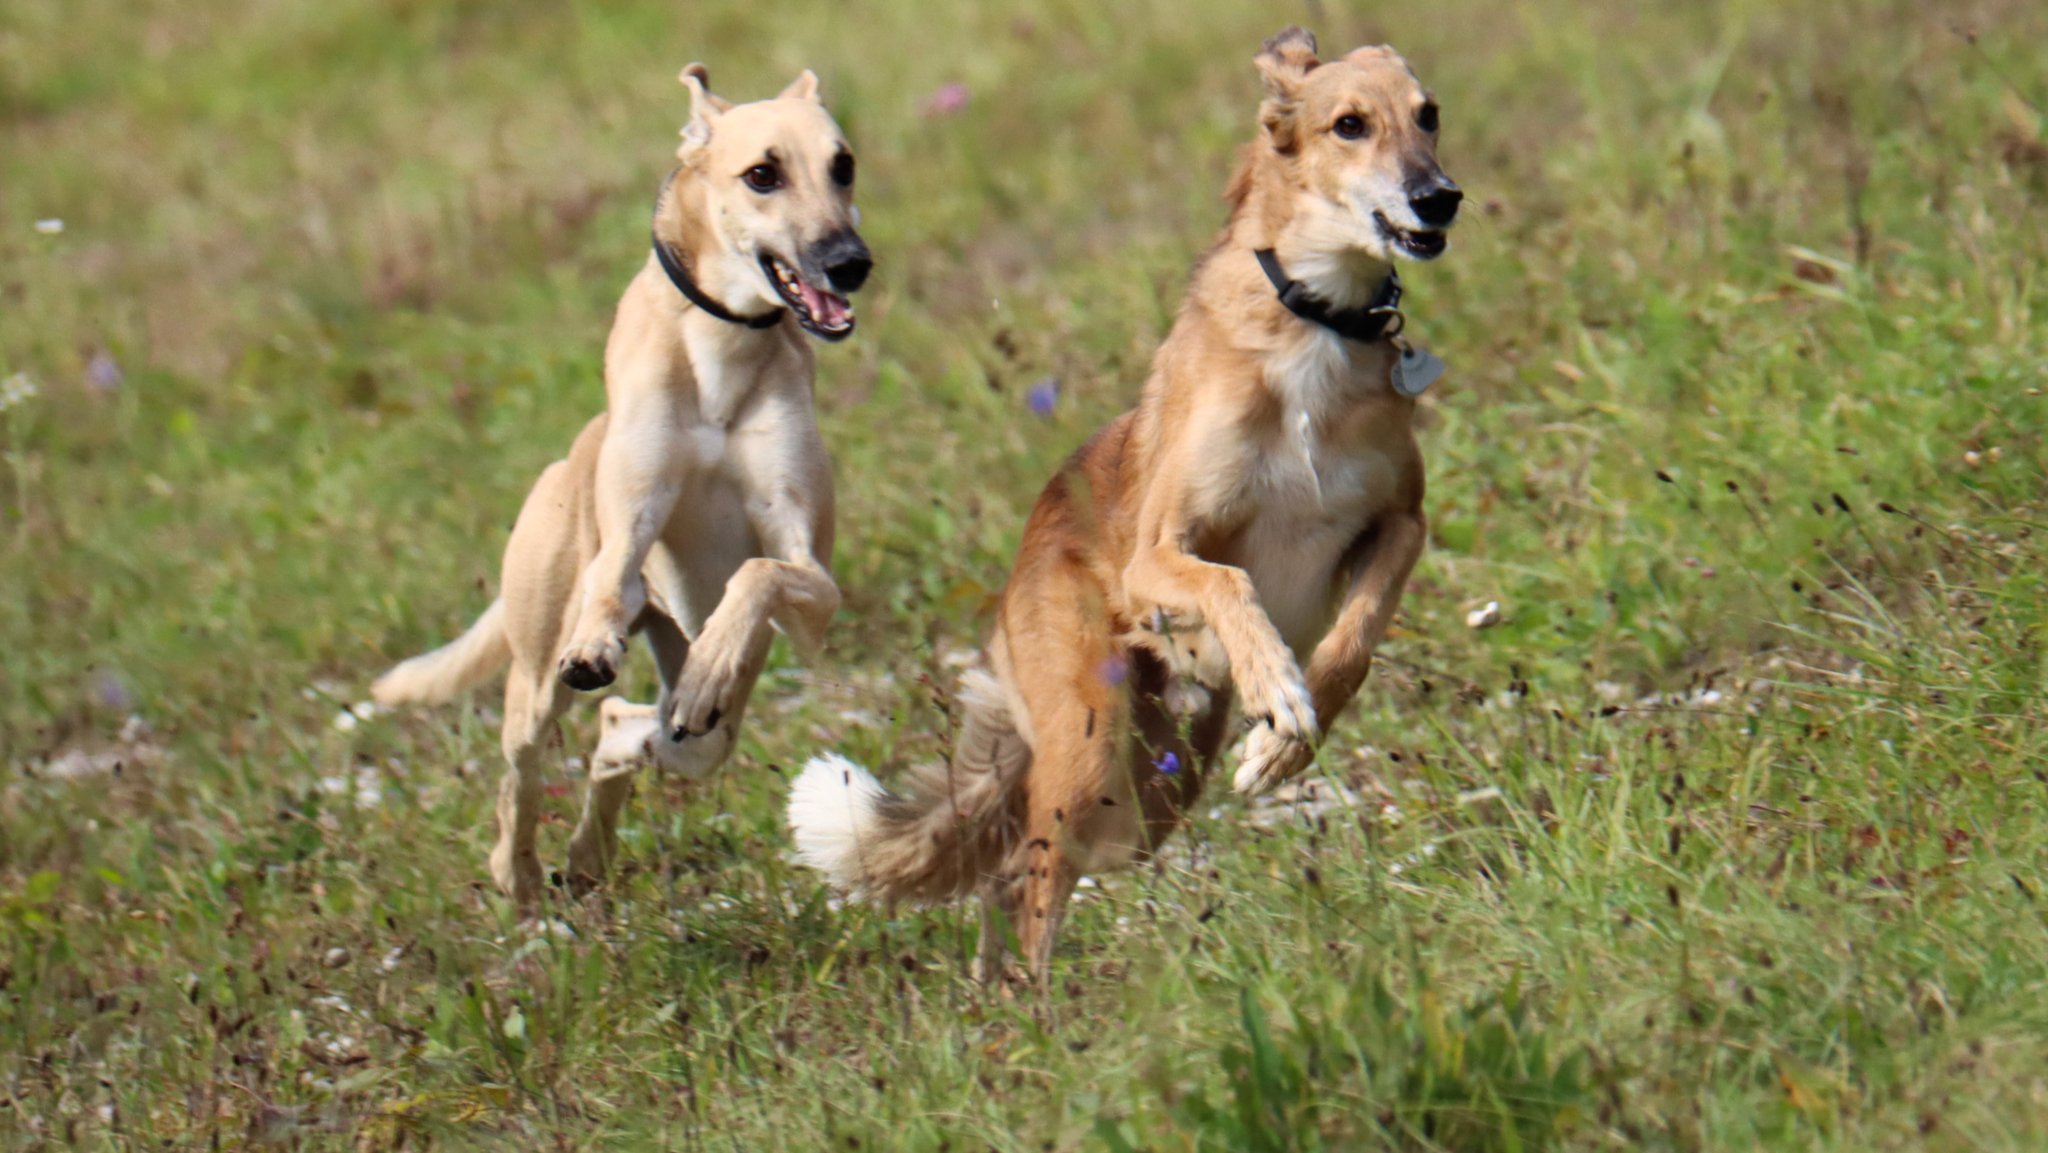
[[1261, 507], [699, 507]]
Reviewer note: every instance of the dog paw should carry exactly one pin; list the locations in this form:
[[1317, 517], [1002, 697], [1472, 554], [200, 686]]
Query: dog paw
[[1269, 759], [705, 692], [589, 863], [627, 738], [1275, 697], [518, 874], [698, 757], [1187, 698], [592, 664]]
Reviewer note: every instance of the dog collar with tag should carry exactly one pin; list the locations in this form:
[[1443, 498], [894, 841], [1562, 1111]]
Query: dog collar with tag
[[1381, 316], [1414, 370], [680, 277]]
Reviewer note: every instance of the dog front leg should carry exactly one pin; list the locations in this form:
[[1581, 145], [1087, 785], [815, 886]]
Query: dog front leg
[[727, 656], [788, 482], [1344, 657], [1172, 582], [637, 482]]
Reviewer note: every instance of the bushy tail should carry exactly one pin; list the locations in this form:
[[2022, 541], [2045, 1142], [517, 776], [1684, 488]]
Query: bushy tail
[[451, 670], [950, 827]]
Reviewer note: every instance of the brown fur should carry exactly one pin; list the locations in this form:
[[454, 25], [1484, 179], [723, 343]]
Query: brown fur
[[1261, 505]]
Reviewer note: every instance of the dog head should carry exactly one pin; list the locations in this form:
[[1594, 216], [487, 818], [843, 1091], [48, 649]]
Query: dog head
[[1358, 138], [771, 188]]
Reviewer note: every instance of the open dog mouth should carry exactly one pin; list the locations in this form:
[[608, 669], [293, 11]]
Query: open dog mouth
[[822, 313], [1424, 244]]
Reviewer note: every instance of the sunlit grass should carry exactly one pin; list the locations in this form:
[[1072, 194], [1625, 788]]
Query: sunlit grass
[[1730, 834]]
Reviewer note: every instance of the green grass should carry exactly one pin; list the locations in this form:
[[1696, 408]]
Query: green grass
[[1731, 835]]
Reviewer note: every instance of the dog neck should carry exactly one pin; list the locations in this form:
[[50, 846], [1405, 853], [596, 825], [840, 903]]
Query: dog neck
[[679, 275], [1365, 323], [1316, 365], [706, 283], [1314, 241]]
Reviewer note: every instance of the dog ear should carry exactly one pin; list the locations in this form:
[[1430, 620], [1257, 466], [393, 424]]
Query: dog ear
[[1284, 62], [697, 79], [705, 108], [804, 87]]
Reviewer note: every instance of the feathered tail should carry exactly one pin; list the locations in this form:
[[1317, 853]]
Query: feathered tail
[[454, 668], [953, 824]]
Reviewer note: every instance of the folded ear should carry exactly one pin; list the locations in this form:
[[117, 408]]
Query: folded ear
[[705, 109], [804, 87], [1284, 62]]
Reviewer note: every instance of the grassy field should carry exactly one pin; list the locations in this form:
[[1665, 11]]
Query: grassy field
[[1730, 835]]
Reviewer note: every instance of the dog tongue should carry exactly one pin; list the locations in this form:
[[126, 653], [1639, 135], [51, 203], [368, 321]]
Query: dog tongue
[[827, 310]]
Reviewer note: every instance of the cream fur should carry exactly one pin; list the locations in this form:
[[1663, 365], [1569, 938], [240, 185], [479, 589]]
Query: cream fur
[[698, 508]]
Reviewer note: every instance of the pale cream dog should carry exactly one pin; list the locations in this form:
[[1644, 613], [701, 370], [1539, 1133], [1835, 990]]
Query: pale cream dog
[[698, 507]]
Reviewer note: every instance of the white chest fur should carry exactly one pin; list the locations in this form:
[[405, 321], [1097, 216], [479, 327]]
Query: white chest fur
[[1310, 495], [1308, 512], [707, 445], [727, 362], [1314, 373]]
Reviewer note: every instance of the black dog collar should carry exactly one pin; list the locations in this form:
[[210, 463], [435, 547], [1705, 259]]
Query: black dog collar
[[1381, 316], [680, 277]]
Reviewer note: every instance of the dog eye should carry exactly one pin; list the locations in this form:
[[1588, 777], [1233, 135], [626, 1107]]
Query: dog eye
[[842, 170], [1351, 127], [1426, 117], [762, 178]]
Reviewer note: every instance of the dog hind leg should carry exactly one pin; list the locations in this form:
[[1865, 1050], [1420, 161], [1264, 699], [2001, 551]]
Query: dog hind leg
[[532, 706], [1080, 725], [1049, 879], [1001, 897], [622, 750], [630, 738]]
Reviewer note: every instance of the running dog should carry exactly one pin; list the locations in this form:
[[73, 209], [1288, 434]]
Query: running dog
[[1262, 506], [698, 507]]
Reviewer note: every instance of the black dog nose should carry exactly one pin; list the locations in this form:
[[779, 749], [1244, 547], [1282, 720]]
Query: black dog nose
[[849, 274], [1438, 206], [846, 261]]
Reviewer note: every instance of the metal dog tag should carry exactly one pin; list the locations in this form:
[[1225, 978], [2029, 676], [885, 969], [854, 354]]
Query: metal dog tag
[[1416, 370]]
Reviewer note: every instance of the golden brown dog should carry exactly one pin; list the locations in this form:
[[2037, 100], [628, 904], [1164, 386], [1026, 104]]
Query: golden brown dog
[[698, 507], [1262, 504]]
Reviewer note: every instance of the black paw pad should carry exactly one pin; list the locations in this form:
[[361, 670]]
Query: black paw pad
[[584, 676]]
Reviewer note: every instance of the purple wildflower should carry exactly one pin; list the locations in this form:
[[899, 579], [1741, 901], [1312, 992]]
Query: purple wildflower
[[1168, 763], [103, 373], [1043, 395], [112, 692]]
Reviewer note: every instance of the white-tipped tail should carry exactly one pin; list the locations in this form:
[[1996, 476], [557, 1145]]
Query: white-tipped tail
[[451, 670], [834, 805], [952, 826]]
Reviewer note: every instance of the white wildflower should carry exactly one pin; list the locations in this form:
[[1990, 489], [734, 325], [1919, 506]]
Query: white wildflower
[[15, 390]]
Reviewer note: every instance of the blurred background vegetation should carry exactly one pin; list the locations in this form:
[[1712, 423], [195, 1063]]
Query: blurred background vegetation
[[1728, 835]]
